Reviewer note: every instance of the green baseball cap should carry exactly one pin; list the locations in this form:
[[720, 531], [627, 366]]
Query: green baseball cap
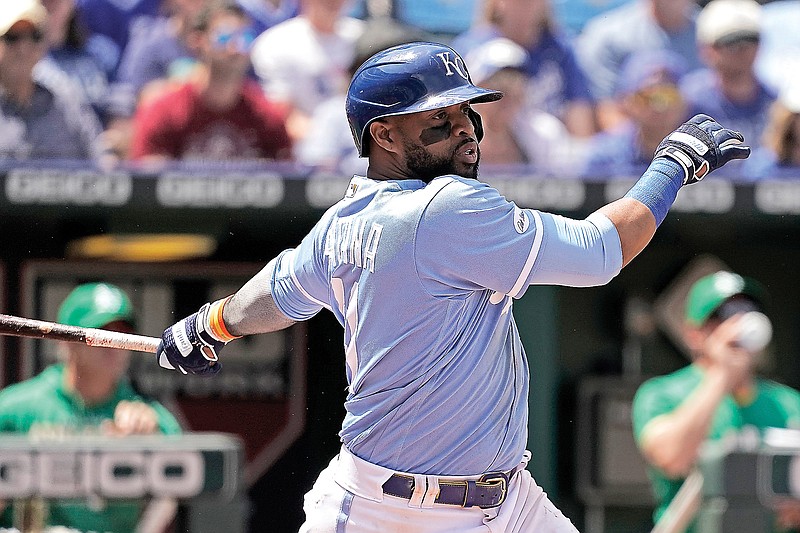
[[94, 305], [711, 291]]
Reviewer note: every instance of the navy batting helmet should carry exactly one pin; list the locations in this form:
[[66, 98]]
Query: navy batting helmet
[[409, 78]]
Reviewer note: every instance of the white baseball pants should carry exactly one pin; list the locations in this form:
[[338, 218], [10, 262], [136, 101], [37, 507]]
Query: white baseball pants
[[348, 498]]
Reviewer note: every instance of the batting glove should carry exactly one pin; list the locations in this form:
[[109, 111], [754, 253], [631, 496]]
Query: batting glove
[[701, 145], [192, 345]]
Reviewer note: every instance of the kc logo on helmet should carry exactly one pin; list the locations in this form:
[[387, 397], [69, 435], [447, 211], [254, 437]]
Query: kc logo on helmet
[[451, 65]]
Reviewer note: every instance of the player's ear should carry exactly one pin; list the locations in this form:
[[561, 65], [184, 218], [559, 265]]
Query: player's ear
[[382, 135]]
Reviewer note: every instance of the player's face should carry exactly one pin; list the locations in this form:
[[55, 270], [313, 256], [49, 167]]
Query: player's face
[[440, 142]]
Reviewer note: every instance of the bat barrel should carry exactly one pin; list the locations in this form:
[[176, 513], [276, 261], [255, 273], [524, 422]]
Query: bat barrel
[[28, 327]]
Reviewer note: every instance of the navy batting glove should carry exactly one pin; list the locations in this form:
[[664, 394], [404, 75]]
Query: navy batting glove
[[189, 347], [701, 145]]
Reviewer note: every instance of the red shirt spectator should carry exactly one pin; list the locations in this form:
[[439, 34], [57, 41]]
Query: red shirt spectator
[[216, 112], [179, 125]]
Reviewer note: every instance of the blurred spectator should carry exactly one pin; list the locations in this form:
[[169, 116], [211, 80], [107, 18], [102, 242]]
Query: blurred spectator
[[516, 135], [557, 84], [161, 50], [779, 48], [86, 393], [574, 14], [728, 33], [305, 60], [607, 40], [219, 113], [329, 144], [68, 41], [267, 13], [779, 153], [719, 395], [650, 101], [109, 23], [40, 117]]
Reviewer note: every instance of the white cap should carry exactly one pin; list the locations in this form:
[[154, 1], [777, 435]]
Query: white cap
[[13, 11], [724, 21], [492, 56]]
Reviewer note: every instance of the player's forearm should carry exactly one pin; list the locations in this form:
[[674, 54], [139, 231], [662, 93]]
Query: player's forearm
[[644, 207], [671, 442], [635, 225], [252, 310]]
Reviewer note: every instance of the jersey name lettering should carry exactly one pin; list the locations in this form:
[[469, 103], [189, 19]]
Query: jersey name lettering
[[346, 243]]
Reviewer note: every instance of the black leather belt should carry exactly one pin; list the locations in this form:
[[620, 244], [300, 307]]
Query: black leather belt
[[489, 490]]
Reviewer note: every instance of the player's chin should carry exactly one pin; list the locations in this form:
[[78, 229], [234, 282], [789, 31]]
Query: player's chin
[[468, 170]]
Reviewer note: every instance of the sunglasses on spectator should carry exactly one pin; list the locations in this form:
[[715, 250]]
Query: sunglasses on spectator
[[240, 40], [734, 307], [659, 97], [737, 42], [14, 37]]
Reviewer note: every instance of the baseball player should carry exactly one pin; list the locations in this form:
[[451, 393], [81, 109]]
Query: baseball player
[[719, 394], [420, 262], [86, 393]]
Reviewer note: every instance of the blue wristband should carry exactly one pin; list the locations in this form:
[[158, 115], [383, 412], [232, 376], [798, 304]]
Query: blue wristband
[[658, 187]]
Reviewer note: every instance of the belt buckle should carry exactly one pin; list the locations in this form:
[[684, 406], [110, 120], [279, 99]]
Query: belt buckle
[[491, 480]]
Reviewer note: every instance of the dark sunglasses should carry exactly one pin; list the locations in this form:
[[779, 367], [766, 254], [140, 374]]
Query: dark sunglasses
[[737, 42], [14, 37], [735, 307]]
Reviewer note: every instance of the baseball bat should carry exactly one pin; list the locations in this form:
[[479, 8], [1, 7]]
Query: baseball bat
[[683, 507], [27, 327]]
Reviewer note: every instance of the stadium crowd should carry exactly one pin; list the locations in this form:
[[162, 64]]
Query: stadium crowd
[[150, 81]]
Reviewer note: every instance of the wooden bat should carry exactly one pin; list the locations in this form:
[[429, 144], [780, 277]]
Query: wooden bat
[[683, 507], [39, 329]]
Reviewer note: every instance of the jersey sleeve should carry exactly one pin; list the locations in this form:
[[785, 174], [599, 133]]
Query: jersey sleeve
[[470, 237], [299, 280], [649, 402]]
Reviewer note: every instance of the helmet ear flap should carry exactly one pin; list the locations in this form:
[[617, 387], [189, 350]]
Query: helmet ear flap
[[477, 122]]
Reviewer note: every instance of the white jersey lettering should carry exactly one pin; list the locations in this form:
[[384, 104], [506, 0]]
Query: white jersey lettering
[[345, 243], [356, 241], [371, 249]]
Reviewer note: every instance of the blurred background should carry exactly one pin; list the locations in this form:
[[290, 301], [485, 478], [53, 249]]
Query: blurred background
[[173, 147]]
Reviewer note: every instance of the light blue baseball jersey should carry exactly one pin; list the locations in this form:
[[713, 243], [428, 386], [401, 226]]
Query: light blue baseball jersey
[[422, 277]]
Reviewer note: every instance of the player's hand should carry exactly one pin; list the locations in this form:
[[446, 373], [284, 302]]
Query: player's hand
[[132, 418], [725, 354], [701, 145], [189, 346]]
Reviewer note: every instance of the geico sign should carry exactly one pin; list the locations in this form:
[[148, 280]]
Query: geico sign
[[112, 474]]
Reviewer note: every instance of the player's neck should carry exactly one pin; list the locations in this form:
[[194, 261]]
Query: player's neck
[[218, 93], [91, 390], [382, 167]]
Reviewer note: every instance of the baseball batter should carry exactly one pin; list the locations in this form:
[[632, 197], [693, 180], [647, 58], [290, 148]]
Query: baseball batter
[[420, 262]]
